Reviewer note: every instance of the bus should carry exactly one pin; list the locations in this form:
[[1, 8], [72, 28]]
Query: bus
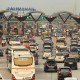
[[21, 65]]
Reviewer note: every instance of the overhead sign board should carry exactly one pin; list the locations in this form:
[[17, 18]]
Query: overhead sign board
[[20, 9]]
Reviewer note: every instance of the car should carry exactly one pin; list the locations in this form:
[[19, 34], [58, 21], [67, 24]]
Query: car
[[62, 48], [50, 65], [47, 53], [48, 42], [33, 45], [74, 53], [1, 52], [60, 43], [71, 62], [47, 38], [74, 41], [70, 78], [64, 72], [59, 57], [73, 46]]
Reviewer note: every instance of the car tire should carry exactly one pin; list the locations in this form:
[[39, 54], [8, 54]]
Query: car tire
[[76, 68]]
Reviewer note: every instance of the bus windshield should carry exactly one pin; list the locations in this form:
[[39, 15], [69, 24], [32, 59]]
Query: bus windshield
[[23, 61]]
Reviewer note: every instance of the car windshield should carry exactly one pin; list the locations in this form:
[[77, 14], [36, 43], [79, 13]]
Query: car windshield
[[23, 61]]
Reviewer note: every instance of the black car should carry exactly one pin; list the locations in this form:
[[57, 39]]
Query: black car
[[71, 62], [50, 65], [1, 52], [64, 72], [48, 42]]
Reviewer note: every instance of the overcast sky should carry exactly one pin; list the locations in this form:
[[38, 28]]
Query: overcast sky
[[47, 6]]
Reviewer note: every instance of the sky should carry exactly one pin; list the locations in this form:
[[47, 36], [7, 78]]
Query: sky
[[47, 6]]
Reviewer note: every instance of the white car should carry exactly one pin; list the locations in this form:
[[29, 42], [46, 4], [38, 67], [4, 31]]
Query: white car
[[47, 53], [59, 57], [33, 49], [70, 78]]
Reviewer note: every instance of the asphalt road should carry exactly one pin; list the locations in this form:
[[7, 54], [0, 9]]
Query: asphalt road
[[40, 74]]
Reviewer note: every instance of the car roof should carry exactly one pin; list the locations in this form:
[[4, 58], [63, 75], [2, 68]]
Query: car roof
[[65, 67], [70, 78]]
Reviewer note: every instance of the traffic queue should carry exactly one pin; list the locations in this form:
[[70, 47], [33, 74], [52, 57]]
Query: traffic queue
[[22, 56]]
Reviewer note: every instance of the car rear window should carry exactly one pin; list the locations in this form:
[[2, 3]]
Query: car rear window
[[65, 69], [51, 62], [70, 59]]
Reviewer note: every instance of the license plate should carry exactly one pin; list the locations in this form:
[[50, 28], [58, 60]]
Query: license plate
[[51, 67], [70, 63]]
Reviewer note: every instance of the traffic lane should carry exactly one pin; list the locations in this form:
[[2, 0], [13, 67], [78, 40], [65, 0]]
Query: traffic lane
[[41, 75], [40, 42], [6, 74]]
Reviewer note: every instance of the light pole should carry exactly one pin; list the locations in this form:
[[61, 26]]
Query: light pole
[[75, 6]]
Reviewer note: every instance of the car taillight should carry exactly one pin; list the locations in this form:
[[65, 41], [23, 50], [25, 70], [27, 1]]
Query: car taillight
[[13, 77], [59, 73], [33, 77], [70, 74]]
